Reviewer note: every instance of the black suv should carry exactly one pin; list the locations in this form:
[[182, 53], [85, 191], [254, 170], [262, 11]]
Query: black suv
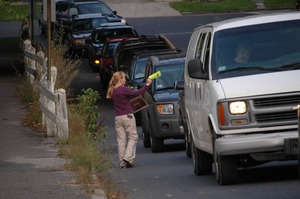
[[161, 119], [81, 29], [136, 71], [66, 9]]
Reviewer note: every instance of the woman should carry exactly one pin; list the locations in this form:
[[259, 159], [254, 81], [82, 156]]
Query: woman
[[124, 120]]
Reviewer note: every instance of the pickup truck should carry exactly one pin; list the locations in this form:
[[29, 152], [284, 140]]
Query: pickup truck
[[240, 110]]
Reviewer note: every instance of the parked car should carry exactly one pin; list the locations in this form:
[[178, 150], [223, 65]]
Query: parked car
[[298, 144], [105, 60], [81, 29], [160, 120], [179, 85], [239, 114], [125, 51], [99, 37], [66, 9], [136, 71]]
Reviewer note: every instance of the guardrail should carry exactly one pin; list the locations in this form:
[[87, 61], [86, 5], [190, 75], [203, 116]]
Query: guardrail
[[52, 102]]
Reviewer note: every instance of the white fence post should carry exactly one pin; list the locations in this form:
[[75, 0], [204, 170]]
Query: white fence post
[[62, 115], [52, 102], [51, 126]]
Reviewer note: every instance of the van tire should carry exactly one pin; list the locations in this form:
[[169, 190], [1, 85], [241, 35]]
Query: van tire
[[202, 161], [225, 167], [226, 170]]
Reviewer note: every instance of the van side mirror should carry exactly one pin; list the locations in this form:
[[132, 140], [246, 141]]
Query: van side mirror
[[195, 69]]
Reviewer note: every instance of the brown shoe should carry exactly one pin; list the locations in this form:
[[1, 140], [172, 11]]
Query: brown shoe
[[128, 164]]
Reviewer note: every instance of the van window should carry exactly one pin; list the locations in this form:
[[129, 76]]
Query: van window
[[207, 51], [200, 46], [271, 47]]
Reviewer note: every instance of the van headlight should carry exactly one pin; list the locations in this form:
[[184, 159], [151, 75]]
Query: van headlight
[[165, 109], [237, 107]]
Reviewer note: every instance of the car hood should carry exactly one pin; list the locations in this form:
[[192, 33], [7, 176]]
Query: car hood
[[82, 34], [262, 84], [113, 18], [166, 96]]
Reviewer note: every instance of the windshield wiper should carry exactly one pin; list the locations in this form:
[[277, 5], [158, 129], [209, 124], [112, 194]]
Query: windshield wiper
[[248, 68], [166, 88], [293, 66]]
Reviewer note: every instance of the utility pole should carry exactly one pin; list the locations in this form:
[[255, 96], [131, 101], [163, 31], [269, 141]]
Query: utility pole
[[49, 38], [32, 15]]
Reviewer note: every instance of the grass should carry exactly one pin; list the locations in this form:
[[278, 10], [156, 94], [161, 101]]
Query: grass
[[10, 12], [226, 5], [219, 6], [279, 3]]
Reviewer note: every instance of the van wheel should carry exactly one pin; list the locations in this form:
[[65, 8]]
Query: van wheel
[[187, 144], [226, 168], [202, 161], [157, 144]]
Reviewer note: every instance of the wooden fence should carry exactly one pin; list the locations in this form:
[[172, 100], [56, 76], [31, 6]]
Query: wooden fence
[[52, 102]]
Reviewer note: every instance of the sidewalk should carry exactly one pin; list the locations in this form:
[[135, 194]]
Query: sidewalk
[[29, 166]]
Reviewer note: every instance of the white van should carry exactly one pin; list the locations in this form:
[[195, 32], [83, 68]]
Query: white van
[[242, 80]]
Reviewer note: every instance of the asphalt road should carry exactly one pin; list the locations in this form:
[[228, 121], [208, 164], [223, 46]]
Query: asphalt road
[[170, 174]]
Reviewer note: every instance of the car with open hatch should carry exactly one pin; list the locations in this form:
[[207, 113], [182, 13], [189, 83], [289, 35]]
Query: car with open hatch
[[160, 119], [126, 50]]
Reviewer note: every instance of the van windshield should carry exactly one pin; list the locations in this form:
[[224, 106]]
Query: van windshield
[[256, 49]]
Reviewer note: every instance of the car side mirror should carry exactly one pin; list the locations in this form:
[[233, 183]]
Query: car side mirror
[[195, 69], [115, 12], [111, 67], [179, 85]]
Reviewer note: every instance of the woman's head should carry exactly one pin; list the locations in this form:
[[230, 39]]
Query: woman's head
[[118, 77]]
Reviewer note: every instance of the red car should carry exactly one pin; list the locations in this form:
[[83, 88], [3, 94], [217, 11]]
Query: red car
[[106, 58]]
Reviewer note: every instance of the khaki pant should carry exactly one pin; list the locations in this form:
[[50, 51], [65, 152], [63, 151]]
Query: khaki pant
[[126, 126]]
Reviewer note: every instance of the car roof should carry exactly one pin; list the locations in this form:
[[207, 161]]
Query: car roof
[[118, 39], [157, 52], [87, 2], [92, 15], [144, 43], [114, 25], [168, 59], [254, 20]]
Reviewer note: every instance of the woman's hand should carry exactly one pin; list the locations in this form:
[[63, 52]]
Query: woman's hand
[[149, 81]]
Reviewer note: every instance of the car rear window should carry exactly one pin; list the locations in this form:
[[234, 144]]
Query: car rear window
[[101, 35], [94, 8]]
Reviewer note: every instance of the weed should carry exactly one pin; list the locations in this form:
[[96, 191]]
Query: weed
[[87, 109]]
